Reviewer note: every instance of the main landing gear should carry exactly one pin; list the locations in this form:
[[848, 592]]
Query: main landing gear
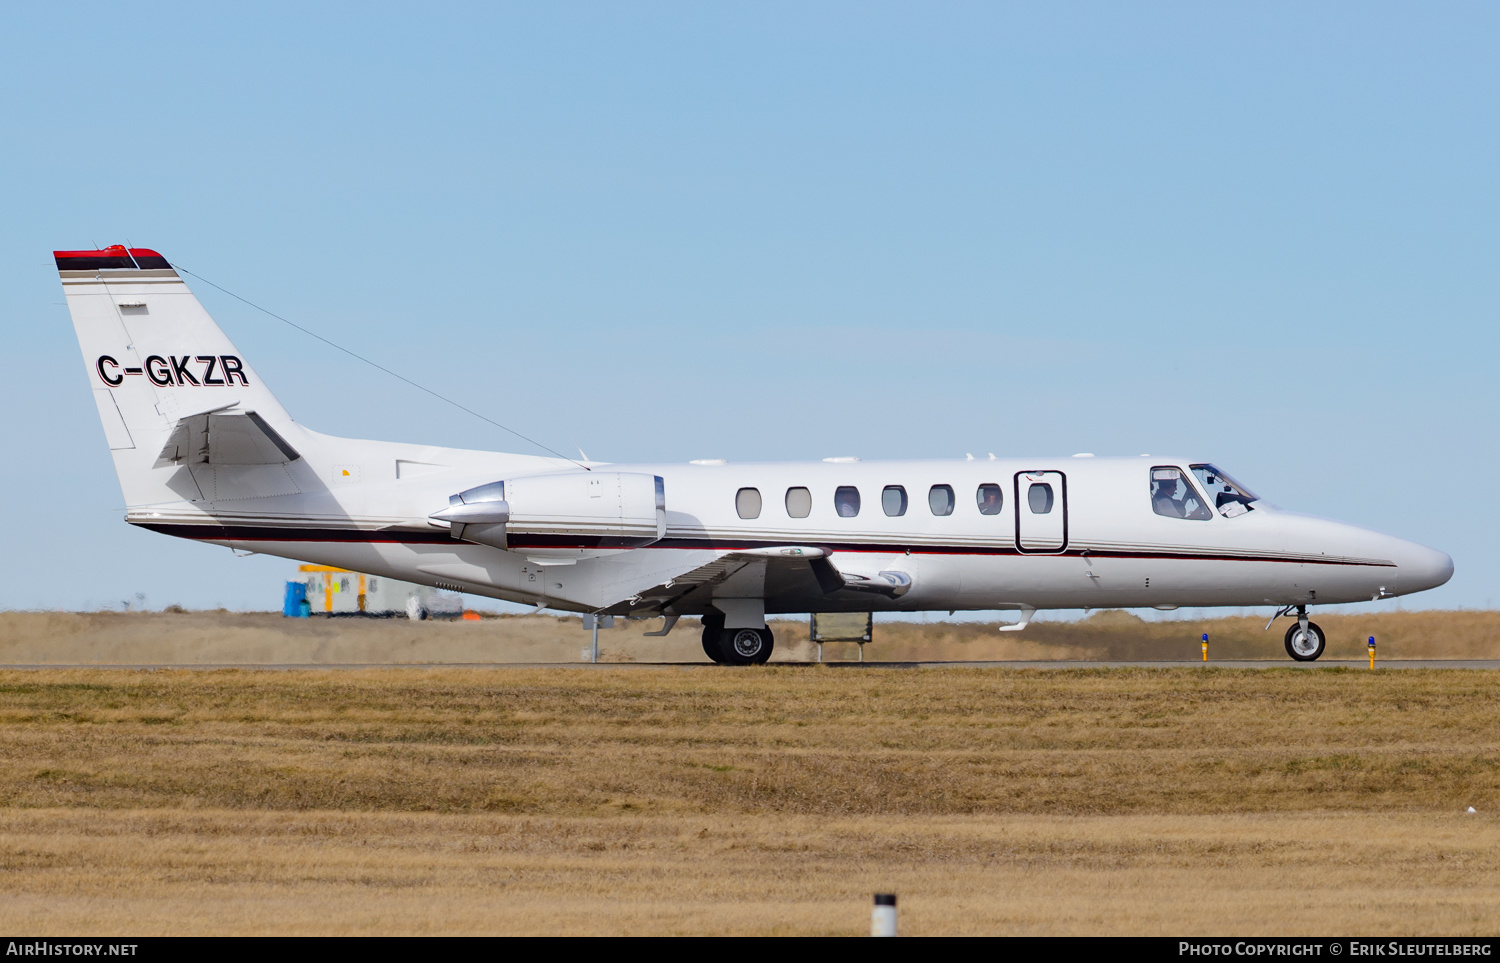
[[1304, 640], [735, 646]]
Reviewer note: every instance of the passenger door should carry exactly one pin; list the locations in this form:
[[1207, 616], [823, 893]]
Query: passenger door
[[1041, 502]]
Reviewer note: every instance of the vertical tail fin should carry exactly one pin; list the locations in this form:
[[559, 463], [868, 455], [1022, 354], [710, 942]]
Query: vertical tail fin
[[171, 389]]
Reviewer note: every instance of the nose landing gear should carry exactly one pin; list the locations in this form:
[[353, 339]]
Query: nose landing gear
[[1305, 640]]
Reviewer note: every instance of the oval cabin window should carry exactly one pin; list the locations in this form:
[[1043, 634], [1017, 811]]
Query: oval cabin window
[[991, 499], [940, 499], [1039, 497], [747, 503], [846, 501], [798, 502], [893, 500]]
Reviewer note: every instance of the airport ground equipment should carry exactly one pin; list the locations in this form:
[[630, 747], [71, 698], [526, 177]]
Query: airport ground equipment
[[203, 450], [856, 627], [329, 590], [294, 603], [594, 623]]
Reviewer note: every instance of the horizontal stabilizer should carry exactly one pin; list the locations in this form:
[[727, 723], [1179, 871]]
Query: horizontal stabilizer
[[225, 438]]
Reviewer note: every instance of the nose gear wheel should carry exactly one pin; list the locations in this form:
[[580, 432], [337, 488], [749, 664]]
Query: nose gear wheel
[[1305, 645]]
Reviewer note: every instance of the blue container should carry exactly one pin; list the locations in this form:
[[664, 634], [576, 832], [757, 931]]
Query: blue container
[[294, 602]]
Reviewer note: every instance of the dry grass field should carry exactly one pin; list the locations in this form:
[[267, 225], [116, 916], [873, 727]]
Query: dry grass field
[[237, 638], [766, 800]]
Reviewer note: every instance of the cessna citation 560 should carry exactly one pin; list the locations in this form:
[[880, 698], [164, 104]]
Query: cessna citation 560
[[204, 451]]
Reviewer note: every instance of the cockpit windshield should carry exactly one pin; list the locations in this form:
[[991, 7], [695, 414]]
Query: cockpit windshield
[[1229, 496]]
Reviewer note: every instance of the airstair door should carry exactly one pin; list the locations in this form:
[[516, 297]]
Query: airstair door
[[1041, 512]]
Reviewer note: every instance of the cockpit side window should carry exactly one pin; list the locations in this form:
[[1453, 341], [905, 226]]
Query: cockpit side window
[[1229, 496], [1174, 496]]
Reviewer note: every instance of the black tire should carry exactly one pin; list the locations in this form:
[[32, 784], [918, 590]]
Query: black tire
[[746, 646], [765, 654], [1305, 650], [713, 627]]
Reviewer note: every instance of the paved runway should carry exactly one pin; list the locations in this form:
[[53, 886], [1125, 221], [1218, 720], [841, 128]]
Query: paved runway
[[1058, 664]]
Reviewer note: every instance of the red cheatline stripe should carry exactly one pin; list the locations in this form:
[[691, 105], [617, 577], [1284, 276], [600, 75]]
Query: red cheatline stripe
[[233, 533]]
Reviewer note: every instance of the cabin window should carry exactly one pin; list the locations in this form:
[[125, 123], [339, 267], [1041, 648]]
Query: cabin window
[[940, 499], [846, 501], [747, 502], [893, 500], [991, 499], [1173, 496], [1229, 496], [798, 502], [1039, 498]]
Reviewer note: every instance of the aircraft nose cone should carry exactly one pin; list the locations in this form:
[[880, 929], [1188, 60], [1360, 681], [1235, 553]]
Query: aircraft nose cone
[[1422, 568]]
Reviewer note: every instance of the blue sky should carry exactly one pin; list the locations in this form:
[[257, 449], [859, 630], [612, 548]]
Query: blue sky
[[1259, 234]]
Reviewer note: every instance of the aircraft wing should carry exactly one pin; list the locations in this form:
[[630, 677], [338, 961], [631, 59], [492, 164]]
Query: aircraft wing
[[777, 571]]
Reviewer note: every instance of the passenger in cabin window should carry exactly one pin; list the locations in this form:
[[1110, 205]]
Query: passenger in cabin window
[[846, 501], [990, 499], [1174, 497]]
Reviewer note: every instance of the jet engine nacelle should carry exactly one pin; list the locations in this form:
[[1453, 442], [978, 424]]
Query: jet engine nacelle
[[620, 509]]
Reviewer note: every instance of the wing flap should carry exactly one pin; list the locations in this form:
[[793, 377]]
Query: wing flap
[[797, 569]]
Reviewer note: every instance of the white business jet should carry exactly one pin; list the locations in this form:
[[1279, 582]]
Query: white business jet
[[204, 451]]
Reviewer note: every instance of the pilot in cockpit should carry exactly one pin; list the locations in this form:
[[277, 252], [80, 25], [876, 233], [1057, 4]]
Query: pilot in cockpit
[[1172, 496], [1165, 499]]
